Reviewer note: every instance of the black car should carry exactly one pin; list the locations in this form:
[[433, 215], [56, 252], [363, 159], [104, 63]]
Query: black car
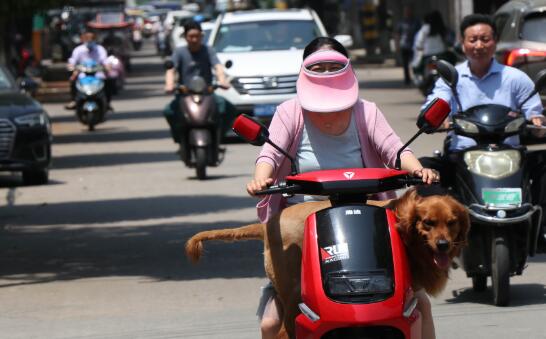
[[25, 132]]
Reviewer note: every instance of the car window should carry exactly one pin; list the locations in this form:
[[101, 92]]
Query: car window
[[534, 27], [265, 36], [6, 82]]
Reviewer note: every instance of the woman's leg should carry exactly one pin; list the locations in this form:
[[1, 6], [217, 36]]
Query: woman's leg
[[271, 319], [424, 306]]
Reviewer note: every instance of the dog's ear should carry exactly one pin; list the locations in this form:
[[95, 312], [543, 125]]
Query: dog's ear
[[406, 211], [464, 221]]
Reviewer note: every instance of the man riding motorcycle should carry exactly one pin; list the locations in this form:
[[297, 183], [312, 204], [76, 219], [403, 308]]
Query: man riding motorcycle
[[194, 59], [482, 80], [88, 49]]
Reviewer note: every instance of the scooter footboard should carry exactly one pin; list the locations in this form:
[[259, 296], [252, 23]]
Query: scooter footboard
[[355, 276]]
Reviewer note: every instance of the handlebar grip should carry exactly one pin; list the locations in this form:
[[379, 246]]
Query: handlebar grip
[[279, 189], [412, 181]]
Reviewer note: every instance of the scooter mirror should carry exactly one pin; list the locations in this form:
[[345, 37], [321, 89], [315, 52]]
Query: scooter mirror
[[540, 80], [433, 115], [447, 72], [540, 83], [251, 130]]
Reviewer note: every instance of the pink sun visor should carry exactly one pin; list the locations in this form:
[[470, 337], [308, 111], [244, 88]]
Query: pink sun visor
[[329, 91]]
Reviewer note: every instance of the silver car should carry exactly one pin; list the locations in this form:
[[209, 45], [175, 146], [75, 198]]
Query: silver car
[[521, 26]]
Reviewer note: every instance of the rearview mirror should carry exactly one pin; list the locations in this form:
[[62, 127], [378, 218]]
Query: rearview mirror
[[251, 130], [540, 83], [540, 80], [433, 115], [448, 73]]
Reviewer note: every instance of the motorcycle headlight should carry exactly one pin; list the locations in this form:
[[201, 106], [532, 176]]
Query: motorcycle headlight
[[90, 88], [495, 165], [349, 285], [466, 126], [514, 125], [31, 120]]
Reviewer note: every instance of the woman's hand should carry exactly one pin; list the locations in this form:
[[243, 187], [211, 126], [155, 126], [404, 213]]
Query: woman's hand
[[257, 185], [427, 174]]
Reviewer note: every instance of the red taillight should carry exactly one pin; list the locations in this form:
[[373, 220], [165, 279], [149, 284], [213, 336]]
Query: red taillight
[[518, 56]]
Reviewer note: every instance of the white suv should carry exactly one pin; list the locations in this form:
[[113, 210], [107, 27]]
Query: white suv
[[262, 52]]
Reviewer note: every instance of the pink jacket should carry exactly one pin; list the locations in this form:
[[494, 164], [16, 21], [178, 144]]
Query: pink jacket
[[378, 142]]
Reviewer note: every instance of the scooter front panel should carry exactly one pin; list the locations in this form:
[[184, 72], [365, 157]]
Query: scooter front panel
[[355, 253], [337, 315]]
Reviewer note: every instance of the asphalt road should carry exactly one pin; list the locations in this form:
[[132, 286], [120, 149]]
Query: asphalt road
[[98, 252]]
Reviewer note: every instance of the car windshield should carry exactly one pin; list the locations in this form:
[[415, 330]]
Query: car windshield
[[534, 27], [265, 36], [6, 82]]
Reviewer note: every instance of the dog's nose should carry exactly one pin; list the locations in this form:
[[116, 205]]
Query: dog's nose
[[442, 245]]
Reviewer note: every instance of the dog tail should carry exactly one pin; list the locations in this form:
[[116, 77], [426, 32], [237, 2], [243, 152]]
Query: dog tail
[[194, 246]]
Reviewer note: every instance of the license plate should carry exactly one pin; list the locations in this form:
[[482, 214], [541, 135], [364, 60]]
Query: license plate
[[264, 110], [502, 197]]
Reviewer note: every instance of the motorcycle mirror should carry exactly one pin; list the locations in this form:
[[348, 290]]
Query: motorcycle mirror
[[228, 64], [540, 83], [433, 115], [250, 130], [255, 133], [168, 64], [540, 80], [448, 73], [429, 120]]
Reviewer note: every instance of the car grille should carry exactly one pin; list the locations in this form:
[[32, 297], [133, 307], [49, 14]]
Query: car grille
[[7, 135], [267, 85]]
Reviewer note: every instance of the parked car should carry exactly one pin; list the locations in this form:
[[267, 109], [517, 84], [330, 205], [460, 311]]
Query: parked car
[[262, 52], [25, 131], [522, 43]]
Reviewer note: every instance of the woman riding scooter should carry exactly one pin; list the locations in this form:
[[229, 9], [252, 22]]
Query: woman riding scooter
[[327, 126]]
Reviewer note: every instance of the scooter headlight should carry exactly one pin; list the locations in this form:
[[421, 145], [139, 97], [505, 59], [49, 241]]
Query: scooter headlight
[[90, 88], [467, 126], [495, 165], [359, 284], [514, 125]]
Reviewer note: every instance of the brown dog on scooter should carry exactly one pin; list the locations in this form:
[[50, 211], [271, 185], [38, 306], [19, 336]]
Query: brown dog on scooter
[[423, 224]]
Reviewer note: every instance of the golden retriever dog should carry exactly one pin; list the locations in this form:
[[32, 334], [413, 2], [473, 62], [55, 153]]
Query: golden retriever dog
[[433, 228]]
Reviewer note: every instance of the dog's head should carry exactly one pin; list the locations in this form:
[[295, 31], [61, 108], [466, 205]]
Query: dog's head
[[439, 222]]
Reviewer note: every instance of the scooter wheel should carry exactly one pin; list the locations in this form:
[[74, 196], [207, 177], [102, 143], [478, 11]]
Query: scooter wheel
[[500, 269], [201, 163]]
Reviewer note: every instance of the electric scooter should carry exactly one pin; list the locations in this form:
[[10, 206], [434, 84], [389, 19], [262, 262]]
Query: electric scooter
[[493, 180], [91, 103], [355, 277], [201, 128]]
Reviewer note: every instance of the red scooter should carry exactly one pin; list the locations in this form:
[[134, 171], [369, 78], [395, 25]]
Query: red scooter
[[355, 277]]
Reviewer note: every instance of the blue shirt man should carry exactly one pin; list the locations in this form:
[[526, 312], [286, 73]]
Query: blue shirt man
[[502, 85], [483, 80]]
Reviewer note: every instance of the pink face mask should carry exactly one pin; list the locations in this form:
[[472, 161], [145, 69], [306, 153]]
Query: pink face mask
[[331, 91]]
